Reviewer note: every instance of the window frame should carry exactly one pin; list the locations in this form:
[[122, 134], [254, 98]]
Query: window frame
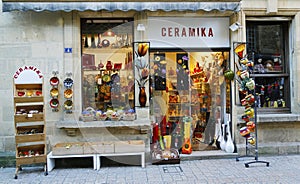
[[101, 26], [285, 26]]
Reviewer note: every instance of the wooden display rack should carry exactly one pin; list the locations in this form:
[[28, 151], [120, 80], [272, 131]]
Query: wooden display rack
[[29, 118]]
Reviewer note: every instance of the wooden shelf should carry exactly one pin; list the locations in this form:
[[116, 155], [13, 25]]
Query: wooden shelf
[[30, 127], [31, 160], [30, 138], [29, 118], [29, 99]]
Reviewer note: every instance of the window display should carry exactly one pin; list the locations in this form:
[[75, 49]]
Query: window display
[[267, 49], [107, 69]]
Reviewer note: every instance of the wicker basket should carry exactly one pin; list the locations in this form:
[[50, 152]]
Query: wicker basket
[[89, 114]]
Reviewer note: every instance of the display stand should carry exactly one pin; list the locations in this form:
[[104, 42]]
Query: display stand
[[249, 100], [29, 118]]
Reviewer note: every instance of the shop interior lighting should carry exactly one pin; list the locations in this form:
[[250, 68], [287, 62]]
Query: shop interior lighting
[[235, 26]]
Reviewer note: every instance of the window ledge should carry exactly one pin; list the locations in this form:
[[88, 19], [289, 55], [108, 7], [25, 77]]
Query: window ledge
[[71, 126], [261, 118], [102, 124]]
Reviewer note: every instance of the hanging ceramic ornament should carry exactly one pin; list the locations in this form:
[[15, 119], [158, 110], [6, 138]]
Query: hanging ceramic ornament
[[251, 126], [251, 140], [249, 111], [229, 147], [244, 75], [250, 84], [245, 132], [246, 118], [239, 50]]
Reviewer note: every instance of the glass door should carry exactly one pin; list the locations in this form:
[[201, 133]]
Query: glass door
[[188, 87]]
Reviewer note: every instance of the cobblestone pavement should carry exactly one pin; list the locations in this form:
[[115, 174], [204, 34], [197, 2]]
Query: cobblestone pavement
[[282, 169]]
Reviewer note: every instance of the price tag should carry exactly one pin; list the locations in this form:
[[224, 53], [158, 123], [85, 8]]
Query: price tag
[[29, 115]]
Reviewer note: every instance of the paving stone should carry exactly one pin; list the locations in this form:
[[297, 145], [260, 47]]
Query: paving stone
[[282, 169]]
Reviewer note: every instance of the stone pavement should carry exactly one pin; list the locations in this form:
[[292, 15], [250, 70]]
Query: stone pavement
[[282, 169]]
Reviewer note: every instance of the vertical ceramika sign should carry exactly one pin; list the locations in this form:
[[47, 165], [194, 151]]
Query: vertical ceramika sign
[[28, 75], [188, 32]]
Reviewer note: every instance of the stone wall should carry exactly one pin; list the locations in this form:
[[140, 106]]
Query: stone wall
[[39, 39], [26, 38]]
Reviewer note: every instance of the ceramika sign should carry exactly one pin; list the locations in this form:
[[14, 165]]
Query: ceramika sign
[[188, 32], [28, 75]]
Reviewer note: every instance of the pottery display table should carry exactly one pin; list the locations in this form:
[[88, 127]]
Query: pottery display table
[[125, 148], [142, 154], [96, 150], [51, 159]]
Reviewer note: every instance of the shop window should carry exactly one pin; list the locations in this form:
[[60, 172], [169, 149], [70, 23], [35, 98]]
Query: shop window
[[107, 69], [267, 46]]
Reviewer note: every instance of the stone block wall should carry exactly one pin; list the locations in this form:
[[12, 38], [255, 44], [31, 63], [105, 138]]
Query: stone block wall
[[26, 38]]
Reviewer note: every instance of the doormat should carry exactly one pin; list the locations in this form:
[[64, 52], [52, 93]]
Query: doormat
[[172, 169]]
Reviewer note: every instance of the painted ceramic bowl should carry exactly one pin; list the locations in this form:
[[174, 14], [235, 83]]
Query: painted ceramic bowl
[[54, 81], [68, 104], [38, 93], [68, 93], [68, 82], [54, 92], [29, 93], [54, 103], [21, 93]]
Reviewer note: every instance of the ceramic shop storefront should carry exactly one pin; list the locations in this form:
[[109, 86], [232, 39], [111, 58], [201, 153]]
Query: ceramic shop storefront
[[112, 52]]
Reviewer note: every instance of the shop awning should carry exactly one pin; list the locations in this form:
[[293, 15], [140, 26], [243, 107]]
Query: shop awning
[[122, 6]]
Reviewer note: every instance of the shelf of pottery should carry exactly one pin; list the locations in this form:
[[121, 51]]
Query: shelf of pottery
[[29, 120]]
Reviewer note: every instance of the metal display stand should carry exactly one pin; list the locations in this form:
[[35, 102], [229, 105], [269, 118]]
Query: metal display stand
[[246, 65], [256, 142]]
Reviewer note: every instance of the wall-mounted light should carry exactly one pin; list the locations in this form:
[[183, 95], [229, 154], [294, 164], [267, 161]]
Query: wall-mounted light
[[235, 26], [140, 27]]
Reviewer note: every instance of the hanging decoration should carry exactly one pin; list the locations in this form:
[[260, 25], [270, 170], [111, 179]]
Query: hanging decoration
[[54, 92], [246, 89], [68, 93], [248, 97]]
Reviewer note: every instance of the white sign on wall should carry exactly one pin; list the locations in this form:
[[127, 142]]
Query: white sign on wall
[[188, 32], [28, 75]]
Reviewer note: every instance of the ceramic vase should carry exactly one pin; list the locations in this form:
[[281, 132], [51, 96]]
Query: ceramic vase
[[142, 97]]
